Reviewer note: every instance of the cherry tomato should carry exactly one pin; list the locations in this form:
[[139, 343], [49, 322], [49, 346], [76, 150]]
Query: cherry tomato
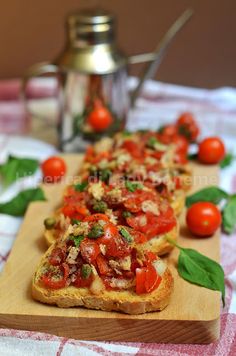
[[203, 219], [211, 150], [188, 127], [89, 250], [54, 168], [55, 283], [100, 118]]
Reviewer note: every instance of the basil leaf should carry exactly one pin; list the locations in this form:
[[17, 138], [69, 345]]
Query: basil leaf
[[77, 240], [201, 270], [229, 215], [96, 231], [126, 235], [212, 194], [80, 187], [133, 186], [18, 205], [16, 168], [227, 160]]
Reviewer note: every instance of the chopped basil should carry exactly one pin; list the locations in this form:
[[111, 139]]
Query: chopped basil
[[80, 187], [104, 175], [86, 271], [126, 214], [100, 206], [49, 223], [126, 235], [133, 186], [96, 231], [151, 142], [126, 133], [75, 221], [155, 144], [77, 239]]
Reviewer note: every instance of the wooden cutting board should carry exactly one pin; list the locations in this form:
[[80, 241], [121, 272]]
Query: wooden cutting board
[[191, 317]]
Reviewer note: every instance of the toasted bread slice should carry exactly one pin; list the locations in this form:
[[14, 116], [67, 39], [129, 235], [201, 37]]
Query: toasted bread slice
[[126, 301]]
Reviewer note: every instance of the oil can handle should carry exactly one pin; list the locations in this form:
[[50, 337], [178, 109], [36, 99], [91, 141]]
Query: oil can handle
[[36, 70]]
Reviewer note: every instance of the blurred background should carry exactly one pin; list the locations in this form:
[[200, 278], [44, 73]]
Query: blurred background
[[202, 55]]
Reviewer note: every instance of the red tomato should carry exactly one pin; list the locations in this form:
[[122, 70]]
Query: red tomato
[[181, 144], [211, 150], [83, 282], [89, 250], [203, 219], [133, 148], [68, 211], [188, 127], [169, 131], [57, 256], [54, 168], [152, 225], [96, 217], [115, 245], [52, 283], [100, 118], [103, 266], [147, 279]]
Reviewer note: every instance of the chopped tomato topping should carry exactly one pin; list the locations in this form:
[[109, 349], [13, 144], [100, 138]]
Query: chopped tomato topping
[[56, 280], [147, 279], [89, 250], [57, 256], [103, 266]]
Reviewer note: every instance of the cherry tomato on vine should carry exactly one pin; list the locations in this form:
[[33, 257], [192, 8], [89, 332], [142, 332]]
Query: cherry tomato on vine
[[100, 118], [211, 150], [203, 219], [54, 168]]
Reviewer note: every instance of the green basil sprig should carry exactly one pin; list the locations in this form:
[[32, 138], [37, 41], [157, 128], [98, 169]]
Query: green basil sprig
[[216, 195], [16, 168], [211, 194], [18, 205], [200, 270]]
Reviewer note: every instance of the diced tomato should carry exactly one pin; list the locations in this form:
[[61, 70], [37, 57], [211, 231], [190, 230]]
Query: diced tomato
[[181, 144], [135, 149], [147, 279], [103, 266], [89, 250], [96, 217], [140, 280], [82, 210], [83, 282], [177, 182], [50, 281], [153, 225], [134, 200], [150, 256], [139, 237], [68, 211], [57, 256], [115, 245]]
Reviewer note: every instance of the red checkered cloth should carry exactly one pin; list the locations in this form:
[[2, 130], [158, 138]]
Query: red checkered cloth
[[161, 103]]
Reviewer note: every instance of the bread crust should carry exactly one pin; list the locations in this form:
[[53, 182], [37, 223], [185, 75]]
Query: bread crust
[[125, 301]]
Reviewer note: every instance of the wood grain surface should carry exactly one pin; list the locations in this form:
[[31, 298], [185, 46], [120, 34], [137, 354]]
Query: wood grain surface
[[191, 317]]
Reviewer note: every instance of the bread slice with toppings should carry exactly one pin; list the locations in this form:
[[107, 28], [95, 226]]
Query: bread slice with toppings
[[115, 276]]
